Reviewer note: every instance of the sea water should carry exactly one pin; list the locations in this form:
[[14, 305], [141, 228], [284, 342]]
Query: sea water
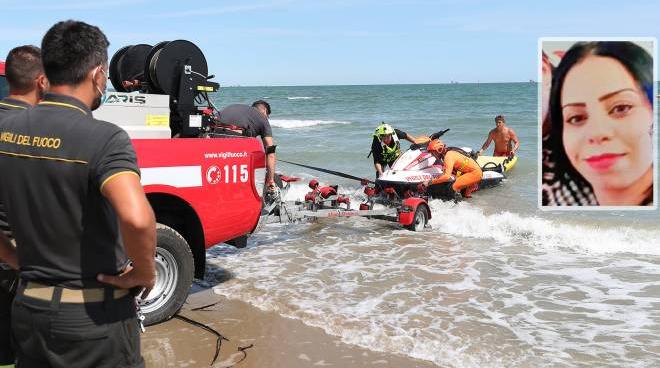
[[494, 283]]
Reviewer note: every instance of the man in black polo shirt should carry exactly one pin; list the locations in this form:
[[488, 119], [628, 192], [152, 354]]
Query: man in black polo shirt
[[27, 85], [78, 212], [254, 120]]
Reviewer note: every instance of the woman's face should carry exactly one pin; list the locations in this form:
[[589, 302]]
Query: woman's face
[[607, 123]]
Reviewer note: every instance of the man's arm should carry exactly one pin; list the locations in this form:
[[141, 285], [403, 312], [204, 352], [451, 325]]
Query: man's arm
[[8, 252], [377, 152], [448, 169], [486, 144], [270, 161], [410, 138], [379, 168], [516, 142], [403, 135], [138, 229]]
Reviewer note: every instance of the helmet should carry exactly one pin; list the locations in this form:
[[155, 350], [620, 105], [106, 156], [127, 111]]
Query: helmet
[[383, 129], [435, 145]]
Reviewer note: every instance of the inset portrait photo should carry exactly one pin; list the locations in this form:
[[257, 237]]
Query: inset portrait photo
[[597, 103]]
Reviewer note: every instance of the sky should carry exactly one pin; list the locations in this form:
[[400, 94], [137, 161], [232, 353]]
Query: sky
[[336, 42]]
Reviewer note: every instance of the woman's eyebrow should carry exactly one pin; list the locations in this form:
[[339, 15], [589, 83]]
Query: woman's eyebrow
[[578, 104], [601, 98], [608, 95]]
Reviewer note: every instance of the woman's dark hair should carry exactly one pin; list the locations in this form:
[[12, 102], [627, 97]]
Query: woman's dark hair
[[70, 49], [634, 58]]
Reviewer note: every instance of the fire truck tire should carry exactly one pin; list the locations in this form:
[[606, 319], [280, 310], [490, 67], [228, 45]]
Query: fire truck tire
[[174, 274], [421, 218]]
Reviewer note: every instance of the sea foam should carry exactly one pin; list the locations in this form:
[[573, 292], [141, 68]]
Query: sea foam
[[301, 98], [293, 124], [504, 227]]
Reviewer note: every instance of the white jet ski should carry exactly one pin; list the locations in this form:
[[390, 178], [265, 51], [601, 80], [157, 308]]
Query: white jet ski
[[416, 166]]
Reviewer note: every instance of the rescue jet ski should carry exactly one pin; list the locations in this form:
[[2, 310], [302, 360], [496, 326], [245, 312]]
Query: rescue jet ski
[[416, 166]]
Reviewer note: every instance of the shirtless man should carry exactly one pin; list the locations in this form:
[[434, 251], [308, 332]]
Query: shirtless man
[[503, 137]]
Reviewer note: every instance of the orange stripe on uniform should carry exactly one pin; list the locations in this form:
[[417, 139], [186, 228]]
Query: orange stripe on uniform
[[53, 103], [115, 175], [22, 155]]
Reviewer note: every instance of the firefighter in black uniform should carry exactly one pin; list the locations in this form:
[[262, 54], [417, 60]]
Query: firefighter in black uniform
[[27, 85], [77, 211], [254, 121]]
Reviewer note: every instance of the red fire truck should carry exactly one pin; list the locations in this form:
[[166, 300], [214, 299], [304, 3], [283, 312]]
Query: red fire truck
[[4, 89], [203, 183]]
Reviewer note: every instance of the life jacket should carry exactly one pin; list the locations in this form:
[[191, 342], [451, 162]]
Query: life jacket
[[458, 172], [390, 154]]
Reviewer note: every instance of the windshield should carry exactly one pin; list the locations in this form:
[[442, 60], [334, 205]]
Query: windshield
[[4, 87]]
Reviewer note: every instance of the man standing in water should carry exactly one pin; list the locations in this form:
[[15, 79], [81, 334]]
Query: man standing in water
[[504, 138]]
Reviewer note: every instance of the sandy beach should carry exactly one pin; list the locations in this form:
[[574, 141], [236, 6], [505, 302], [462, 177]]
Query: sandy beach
[[276, 341]]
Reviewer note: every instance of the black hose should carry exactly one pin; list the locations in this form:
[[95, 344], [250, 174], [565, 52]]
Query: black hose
[[218, 342], [332, 172]]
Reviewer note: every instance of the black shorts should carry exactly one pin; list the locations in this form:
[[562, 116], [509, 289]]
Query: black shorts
[[6, 351], [53, 334], [8, 279]]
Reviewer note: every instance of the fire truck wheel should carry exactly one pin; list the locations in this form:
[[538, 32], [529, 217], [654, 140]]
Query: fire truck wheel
[[174, 274], [420, 220]]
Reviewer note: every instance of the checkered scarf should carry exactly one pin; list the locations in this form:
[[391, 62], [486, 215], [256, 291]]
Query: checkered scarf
[[560, 189]]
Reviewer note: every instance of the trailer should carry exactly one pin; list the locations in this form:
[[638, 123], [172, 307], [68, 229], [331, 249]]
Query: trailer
[[412, 213]]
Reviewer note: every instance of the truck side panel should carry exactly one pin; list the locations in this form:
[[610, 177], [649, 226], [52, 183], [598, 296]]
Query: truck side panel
[[215, 176]]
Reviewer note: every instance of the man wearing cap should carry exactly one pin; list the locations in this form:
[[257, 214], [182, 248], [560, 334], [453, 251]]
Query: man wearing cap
[[78, 213], [27, 85]]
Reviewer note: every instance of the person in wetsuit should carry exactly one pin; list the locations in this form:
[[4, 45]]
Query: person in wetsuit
[[467, 172]]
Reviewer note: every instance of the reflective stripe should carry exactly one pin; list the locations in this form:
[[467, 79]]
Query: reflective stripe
[[390, 154], [43, 157], [174, 176], [459, 172], [53, 103], [14, 106]]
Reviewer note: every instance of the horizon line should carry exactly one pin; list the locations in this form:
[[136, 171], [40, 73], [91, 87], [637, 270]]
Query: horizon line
[[368, 84]]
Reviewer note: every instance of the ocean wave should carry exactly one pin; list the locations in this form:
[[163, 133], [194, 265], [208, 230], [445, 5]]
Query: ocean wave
[[301, 98], [505, 227], [293, 124], [443, 297]]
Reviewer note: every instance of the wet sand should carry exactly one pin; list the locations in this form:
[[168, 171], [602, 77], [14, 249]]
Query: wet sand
[[276, 341]]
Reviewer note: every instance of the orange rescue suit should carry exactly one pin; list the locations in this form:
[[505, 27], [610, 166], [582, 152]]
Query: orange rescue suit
[[466, 170]]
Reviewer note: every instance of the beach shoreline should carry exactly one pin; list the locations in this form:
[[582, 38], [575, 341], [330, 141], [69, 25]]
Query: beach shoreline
[[275, 341]]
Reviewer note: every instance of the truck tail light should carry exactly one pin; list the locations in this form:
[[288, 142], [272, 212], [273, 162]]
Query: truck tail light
[[260, 180]]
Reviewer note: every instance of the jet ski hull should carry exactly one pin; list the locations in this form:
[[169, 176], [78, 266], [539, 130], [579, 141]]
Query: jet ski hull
[[415, 167]]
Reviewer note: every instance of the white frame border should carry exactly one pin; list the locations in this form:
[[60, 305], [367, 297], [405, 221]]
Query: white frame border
[[654, 55]]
